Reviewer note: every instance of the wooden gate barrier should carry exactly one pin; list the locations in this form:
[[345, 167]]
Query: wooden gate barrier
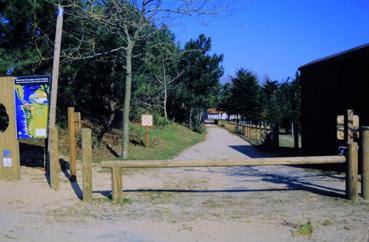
[[351, 172]]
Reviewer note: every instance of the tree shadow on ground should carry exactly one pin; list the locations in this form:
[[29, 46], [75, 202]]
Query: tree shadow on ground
[[35, 156], [251, 151], [260, 151], [32, 155], [65, 167], [302, 182], [299, 180], [108, 193]]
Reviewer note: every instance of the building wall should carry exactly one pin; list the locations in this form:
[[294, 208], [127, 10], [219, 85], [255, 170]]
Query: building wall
[[328, 88]]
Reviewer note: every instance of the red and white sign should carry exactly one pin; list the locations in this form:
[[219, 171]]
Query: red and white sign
[[146, 120]]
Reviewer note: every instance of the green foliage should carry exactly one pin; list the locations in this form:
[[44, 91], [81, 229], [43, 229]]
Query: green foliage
[[23, 42], [166, 142], [273, 101], [304, 230], [92, 76], [271, 108], [199, 84], [225, 98], [245, 95], [159, 120], [282, 101]]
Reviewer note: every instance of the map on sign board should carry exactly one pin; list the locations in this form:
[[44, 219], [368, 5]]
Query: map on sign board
[[146, 120], [32, 106]]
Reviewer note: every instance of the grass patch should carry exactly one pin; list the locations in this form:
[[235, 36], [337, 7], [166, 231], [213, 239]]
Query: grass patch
[[126, 200], [165, 142], [286, 140], [327, 222], [304, 230], [159, 197]]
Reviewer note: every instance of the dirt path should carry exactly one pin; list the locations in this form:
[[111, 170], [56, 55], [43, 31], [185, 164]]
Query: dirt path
[[194, 204]]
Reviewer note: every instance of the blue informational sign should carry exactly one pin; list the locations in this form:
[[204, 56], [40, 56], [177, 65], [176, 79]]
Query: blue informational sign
[[7, 160], [6, 154], [32, 106]]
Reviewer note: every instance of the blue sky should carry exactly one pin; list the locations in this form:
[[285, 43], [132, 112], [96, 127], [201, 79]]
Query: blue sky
[[275, 37]]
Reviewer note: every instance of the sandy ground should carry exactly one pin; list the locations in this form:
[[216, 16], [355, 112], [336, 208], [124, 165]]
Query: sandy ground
[[194, 204]]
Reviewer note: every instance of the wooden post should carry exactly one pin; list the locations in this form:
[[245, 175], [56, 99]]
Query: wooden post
[[86, 165], [276, 135], [247, 130], [55, 74], [72, 144], [147, 136], [349, 126], [352, 172], [253, 132], [54, 159], [365, 162], [259, 133], [250, 132], [77, 121], [116, 176], [296, 136]]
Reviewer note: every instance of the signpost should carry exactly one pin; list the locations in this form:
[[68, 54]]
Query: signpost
[[352, 127], [147, 122]]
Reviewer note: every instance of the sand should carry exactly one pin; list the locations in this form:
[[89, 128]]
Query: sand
[[192, 204]]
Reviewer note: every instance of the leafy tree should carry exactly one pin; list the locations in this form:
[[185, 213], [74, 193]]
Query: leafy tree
[[225, 99], [271, 108], [245, 99], [199, 84], [24, 39], [132, 22], [288, 98], [112, 51], [162, 60]]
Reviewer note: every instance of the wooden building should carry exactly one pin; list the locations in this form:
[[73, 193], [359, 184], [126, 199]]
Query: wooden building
[[328, 87]]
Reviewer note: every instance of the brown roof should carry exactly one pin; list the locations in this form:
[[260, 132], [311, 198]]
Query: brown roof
[[214, 111]]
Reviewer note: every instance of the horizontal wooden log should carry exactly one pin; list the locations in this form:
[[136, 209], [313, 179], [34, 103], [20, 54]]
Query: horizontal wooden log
[[221, 163]]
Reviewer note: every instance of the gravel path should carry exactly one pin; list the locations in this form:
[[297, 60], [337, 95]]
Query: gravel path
[[192, 204], [220, 144]]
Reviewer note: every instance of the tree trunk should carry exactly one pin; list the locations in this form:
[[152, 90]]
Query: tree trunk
[[165, 101], [190, 121], [199, 118], [127, 101]]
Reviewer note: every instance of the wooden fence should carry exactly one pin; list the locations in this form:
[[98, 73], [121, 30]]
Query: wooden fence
[[256, 134], [116, 166], [351, 173]]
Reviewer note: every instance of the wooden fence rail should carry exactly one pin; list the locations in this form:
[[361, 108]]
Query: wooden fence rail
[[252, 132], [117, 166]]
